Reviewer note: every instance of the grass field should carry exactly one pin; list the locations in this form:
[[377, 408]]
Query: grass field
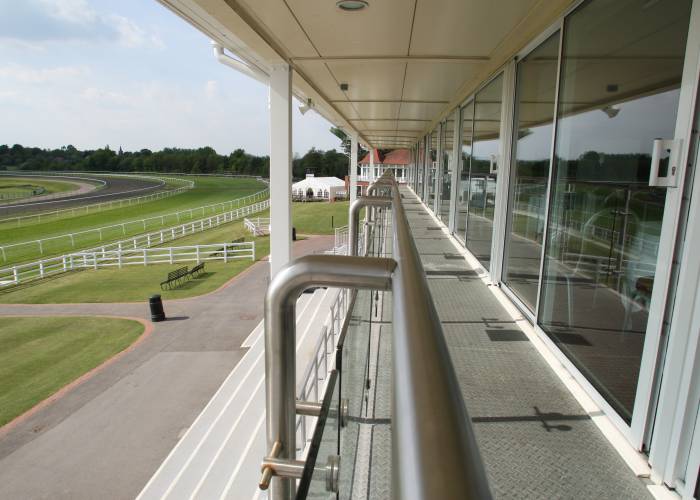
[[39, 356], [207, 190], [319, 218], [137, 283], [25, 185]]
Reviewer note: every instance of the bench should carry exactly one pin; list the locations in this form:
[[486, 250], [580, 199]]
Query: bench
[[220, 251], [176, 277], [197, 270]]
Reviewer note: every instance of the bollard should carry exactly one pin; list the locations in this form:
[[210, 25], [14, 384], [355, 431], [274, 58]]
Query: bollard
[[294, 234], [157, 312]]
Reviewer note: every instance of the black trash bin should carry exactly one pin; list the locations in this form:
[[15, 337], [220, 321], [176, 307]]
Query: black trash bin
[[294, 234], [157, 312]]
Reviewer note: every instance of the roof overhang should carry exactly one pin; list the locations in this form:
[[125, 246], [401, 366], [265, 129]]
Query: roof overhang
[[407, 64]]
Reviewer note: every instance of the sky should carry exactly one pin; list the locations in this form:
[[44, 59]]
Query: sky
[[130, 73]]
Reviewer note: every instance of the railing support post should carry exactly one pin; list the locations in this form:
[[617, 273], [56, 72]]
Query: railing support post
[[280, 342]]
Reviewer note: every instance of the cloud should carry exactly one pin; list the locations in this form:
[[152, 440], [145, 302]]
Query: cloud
[[35, 22], [26, 74], [211, 89]]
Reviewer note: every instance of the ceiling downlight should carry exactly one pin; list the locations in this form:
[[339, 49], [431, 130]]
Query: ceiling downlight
[[351, 5]]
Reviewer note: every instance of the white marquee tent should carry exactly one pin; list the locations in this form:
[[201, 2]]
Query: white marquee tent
[[319, 188]]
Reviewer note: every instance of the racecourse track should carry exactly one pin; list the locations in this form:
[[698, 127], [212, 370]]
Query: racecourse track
[[114, 188]]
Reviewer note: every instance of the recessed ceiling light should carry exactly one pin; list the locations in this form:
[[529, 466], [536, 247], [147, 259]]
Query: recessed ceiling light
[[351, 5]]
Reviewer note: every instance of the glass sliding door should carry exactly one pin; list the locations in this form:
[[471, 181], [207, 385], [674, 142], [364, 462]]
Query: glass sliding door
[[421, 165], [621, 69], [432, 170], [448, 132], [463, 187], [536, 81], [483, 171]]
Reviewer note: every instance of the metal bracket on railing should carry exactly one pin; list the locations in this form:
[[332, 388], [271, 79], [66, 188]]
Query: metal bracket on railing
[[294, 469], [313, 409]]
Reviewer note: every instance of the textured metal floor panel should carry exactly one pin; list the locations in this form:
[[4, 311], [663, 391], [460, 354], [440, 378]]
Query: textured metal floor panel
[[535, 439]]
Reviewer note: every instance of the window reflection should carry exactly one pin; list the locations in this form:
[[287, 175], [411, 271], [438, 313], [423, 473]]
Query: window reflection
[[463, 186], [447, 167], [619, 91], [432, 168], [483, 170], [534, 110]]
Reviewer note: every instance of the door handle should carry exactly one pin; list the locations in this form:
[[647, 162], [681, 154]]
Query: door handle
[[673, 147]]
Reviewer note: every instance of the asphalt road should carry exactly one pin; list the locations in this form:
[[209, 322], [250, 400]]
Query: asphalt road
[[106, 436], [114, 189]]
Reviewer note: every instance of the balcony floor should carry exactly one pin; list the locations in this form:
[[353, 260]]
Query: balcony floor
[[536, 440]]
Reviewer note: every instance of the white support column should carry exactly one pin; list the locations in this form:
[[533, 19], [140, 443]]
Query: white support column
[[353, 168], [456, 163], [372, 177], [280, 101]]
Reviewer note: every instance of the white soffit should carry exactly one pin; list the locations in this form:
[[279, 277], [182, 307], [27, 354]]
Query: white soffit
[[407, 62]]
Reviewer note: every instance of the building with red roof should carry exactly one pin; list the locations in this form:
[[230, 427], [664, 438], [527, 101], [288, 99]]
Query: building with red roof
[[374, 164]]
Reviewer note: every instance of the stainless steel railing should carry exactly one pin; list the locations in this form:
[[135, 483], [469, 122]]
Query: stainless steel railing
[[434, 452]]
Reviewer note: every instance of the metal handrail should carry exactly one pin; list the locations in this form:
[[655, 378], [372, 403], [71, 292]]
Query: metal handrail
[[434, 450], [280, 346]]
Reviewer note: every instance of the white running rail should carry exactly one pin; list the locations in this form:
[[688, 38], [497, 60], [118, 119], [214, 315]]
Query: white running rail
[[119, 258], [259, 226], [108, 205], [46, 267], [97, 232], [162, 255]]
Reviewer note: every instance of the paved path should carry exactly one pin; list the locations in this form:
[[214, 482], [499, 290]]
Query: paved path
[[106, 437]]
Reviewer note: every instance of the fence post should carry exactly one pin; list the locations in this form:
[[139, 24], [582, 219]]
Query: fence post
[[253, 256], [148, 240], [171, 255], [15, 274], [225, 253], [145, 257], [64, 264], [41, 247], [41, 268], [94, 260], [100, 230], [4, 259], [197, 254]]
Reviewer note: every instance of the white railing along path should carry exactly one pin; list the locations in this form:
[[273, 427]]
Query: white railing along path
[[24, 272], [139, 223]]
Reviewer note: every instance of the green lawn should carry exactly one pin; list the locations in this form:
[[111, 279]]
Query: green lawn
[[319, 217], [137, 283], [26, 185], [208, 190], [39, 356]]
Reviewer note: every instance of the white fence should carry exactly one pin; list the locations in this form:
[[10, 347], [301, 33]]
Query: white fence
[[24, 272], [107, 205], [118, 258], [259, 226], [163, 255], [97, 233]]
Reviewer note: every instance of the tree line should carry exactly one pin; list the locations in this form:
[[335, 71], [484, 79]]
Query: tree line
[[205, 160]]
